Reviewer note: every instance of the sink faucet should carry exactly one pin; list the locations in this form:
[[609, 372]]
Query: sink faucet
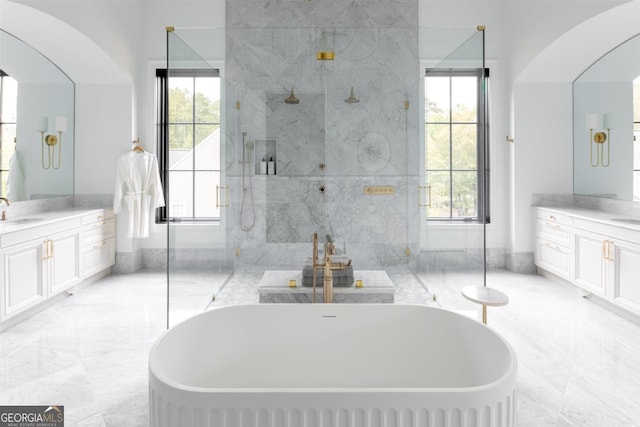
[[4, 212]]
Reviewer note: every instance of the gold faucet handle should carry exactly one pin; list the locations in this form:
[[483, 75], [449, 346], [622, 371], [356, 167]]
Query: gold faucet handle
[[340, 265], [4, 216]]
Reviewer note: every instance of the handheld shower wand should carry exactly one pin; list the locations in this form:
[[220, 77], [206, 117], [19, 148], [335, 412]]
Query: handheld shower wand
[[248, 145]]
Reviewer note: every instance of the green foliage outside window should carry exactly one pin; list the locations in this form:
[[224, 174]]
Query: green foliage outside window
[[451, 152], [181, 118]]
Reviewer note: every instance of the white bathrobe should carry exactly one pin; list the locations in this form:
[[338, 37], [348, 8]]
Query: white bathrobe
[[138, 189]]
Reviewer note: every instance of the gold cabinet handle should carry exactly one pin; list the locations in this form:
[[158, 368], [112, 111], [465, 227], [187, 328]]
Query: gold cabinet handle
[[48, 249], [607, 250], [420, 189], [549, 245], [556, 226], [552, 218]]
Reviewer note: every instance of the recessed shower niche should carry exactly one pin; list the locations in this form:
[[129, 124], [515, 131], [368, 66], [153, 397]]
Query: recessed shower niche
[[266, 157]]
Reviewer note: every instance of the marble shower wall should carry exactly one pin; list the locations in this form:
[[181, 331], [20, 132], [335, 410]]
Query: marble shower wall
[[326, 150]]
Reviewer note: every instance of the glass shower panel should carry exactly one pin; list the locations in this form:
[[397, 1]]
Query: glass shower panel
[[327, 131], [197, 193], [278, 198], [372, 148], [454, 188]]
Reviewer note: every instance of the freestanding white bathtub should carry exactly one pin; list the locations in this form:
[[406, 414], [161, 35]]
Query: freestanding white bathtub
[[331, 365]]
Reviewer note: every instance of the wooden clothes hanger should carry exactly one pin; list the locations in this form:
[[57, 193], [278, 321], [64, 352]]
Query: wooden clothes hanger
[[137, 147]]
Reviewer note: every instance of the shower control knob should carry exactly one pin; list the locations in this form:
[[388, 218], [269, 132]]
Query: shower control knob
[[322, 188]]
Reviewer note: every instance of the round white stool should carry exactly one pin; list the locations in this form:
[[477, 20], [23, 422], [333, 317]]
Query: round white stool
[[485, 296]]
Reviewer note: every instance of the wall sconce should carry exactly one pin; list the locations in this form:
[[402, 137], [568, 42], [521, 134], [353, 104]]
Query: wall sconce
[[596, 123], [50, 140]]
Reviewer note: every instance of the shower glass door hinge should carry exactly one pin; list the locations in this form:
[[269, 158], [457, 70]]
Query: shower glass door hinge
[[237, 251], [407, 252]]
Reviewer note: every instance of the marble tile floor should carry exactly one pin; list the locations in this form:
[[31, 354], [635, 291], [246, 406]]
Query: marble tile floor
[[579, 363]]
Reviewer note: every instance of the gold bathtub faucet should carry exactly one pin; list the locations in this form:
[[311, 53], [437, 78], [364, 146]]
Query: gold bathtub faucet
[[327, 267]]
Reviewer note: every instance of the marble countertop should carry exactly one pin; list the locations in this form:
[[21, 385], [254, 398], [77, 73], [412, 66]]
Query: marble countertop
[[610, 218], [15, 223]]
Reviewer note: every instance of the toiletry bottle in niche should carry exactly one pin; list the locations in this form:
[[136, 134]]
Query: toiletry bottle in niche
[[263, 167], [271, 167]]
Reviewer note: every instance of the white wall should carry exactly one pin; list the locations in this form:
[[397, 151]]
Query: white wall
[[542, 152]]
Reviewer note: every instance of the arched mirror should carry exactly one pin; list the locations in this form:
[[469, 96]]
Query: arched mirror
[[36, 124], [606, 108]]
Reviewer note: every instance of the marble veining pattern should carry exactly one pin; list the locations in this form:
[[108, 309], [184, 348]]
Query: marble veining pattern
[[327, 150], [342, 13], [578, 363]]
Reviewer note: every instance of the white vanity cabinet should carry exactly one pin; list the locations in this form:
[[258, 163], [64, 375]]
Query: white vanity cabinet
[[45, 259], [62, 266], [22, 277], [592, 262], [554, 242], [98, 242], [598, 253], [607, 262], [38, 263]]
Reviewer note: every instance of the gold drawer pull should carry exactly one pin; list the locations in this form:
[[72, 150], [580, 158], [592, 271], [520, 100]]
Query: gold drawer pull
[[100, 245], [556, 226], [552, 246], [552, 218]]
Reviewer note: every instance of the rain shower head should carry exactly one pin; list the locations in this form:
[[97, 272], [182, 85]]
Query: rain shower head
[[352, 99], [291, 99]]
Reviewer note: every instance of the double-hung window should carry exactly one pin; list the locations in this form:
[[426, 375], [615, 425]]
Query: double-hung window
[[189, 142], [456, 165], [8, 115]]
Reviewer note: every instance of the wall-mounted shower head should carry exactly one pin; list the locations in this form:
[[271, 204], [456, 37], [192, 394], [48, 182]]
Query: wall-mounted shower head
[[291, 99]]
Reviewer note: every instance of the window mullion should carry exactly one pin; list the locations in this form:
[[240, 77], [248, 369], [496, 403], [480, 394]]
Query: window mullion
[[450, 146], [193, 153]]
